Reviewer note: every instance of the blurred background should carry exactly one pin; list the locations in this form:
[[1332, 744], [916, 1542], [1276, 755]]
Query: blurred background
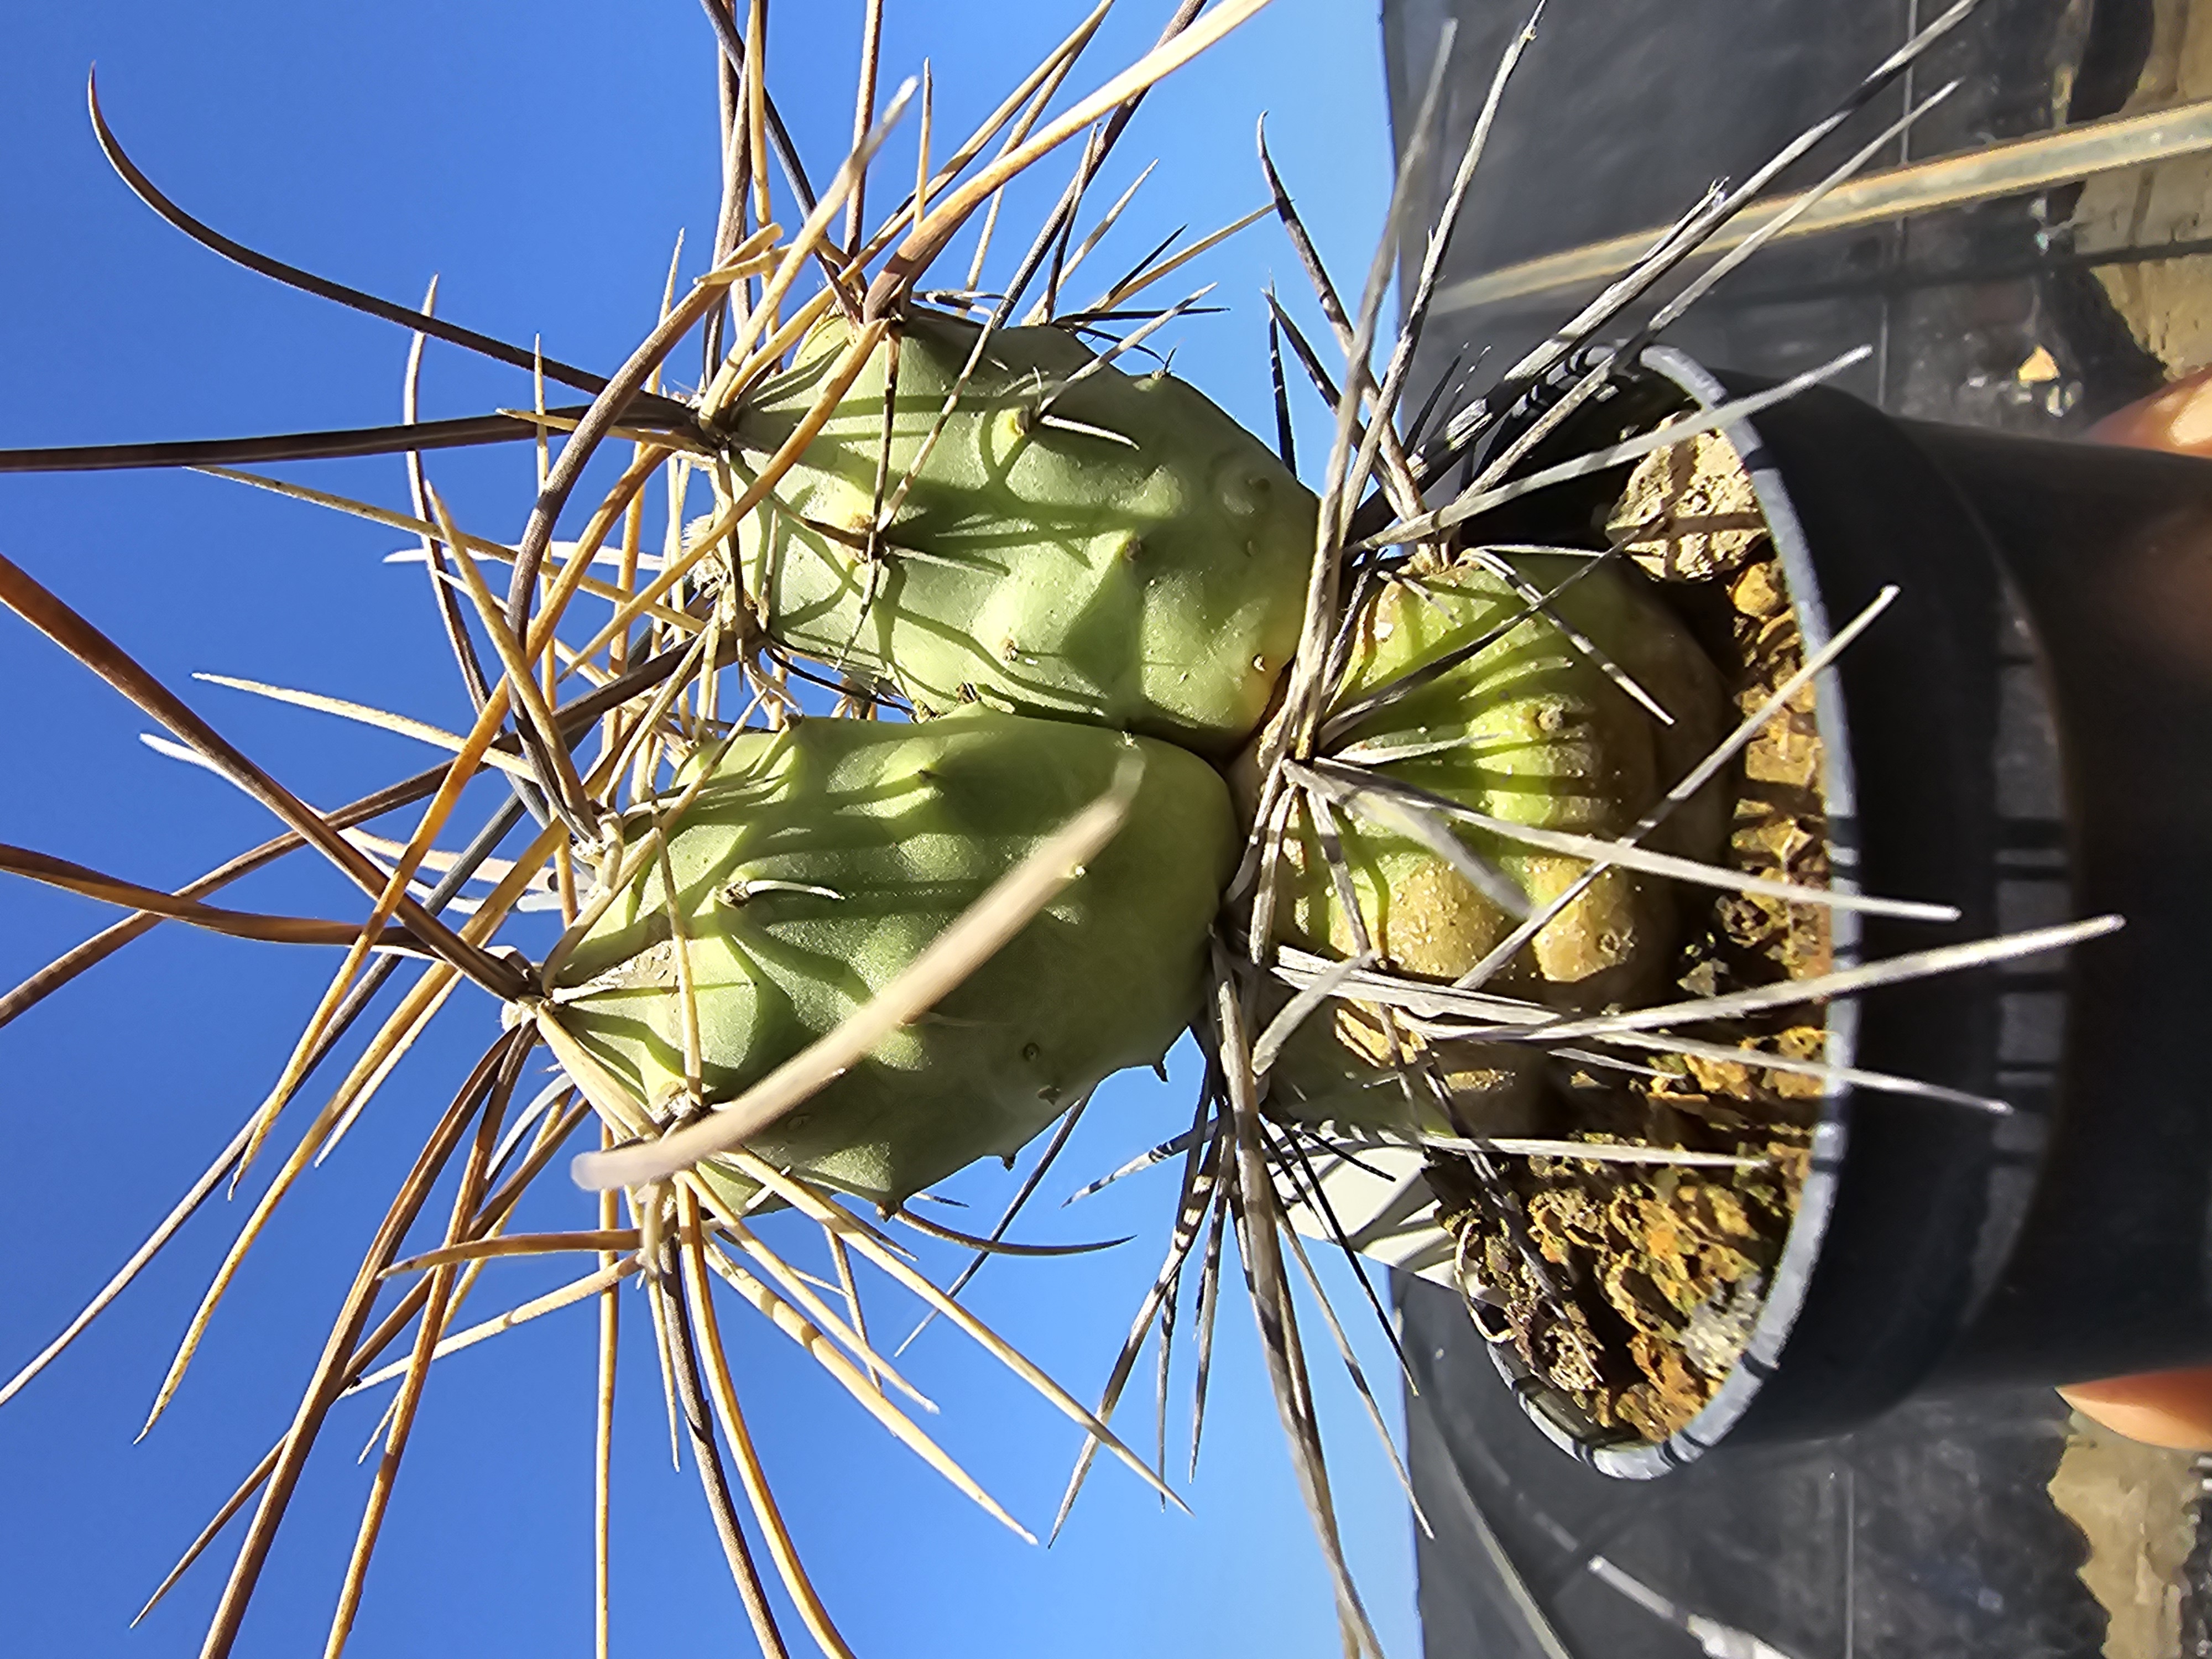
[[1981, 1524]]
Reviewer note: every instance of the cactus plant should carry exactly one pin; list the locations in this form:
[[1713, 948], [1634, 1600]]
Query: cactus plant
[[1453, 687], [1080, 542], [1073, 540], [819, 861]]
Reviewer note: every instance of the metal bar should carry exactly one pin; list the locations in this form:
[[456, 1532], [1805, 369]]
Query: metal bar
[[2012, 169]]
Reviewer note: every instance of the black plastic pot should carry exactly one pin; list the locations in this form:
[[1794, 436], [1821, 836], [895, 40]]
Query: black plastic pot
[[2026, 734]]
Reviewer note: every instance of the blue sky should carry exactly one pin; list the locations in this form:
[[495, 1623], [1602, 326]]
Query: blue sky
[[541, 159]]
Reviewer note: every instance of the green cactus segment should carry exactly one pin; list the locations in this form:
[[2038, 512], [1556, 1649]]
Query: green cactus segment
[[1530, 731], [819, 861], [1132, 558]]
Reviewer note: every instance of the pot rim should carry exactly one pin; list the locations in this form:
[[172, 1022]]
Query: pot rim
[[1612, 1452]]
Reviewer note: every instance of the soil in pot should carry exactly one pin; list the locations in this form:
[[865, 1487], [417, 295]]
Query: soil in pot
[[1658, 1272]]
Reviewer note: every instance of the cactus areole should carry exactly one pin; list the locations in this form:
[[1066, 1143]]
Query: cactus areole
[[1070, 541], [819, 861]]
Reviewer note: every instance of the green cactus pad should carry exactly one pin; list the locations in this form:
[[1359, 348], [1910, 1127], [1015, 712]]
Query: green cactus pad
[[1134, 559], [1527, 730], [819, 861]]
